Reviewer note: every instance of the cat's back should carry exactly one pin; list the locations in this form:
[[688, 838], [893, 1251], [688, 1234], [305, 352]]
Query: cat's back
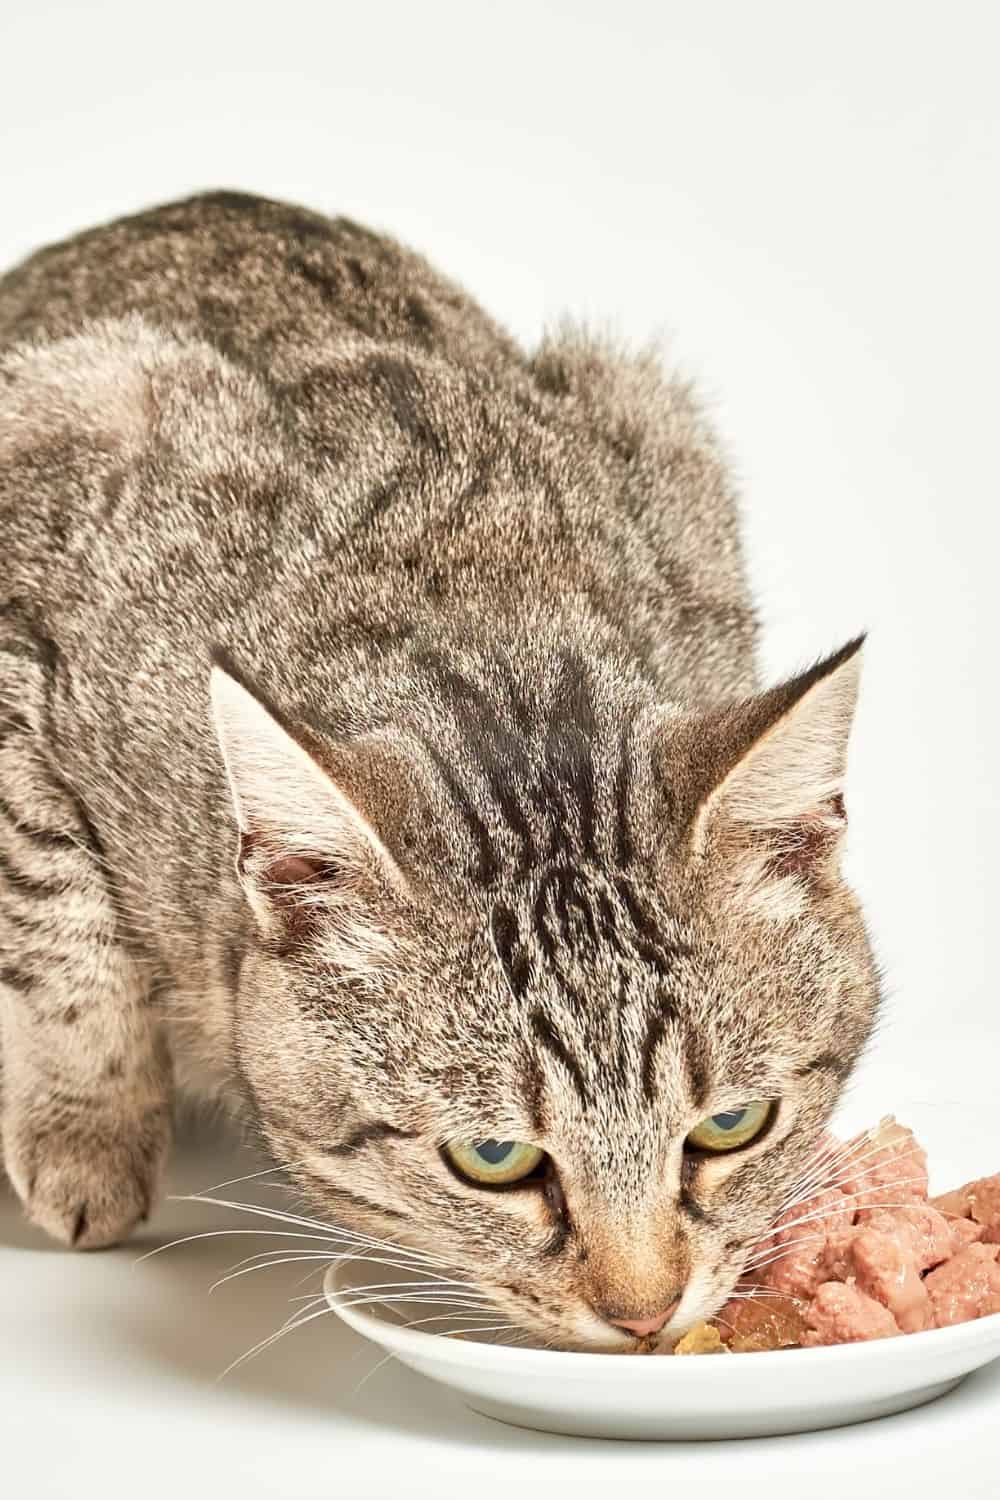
[[267, 283], [258, 403], [229, 384]]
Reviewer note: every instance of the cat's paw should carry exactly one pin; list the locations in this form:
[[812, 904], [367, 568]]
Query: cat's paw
[[87, 1187]]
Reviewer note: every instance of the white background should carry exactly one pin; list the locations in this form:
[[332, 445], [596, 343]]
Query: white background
[[803, 200]]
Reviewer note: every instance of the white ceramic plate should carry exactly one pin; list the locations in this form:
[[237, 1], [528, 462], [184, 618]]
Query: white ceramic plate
[[654, 1397]]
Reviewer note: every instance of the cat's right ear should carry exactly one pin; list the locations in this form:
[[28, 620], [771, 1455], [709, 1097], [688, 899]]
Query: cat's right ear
[[772, 817], [307, 851]]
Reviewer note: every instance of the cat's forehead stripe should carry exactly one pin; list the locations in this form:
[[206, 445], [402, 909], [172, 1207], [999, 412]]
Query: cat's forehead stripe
[[623, 789], [514, 958], [698, 1062], [486, 872], [538, 770], [554, 1044]]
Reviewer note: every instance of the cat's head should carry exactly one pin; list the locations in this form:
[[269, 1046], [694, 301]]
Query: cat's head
[[562, 995]]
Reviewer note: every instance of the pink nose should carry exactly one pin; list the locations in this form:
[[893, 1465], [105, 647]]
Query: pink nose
[[643, 1326]]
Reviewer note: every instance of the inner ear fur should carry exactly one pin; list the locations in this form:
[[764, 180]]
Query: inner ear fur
[[309, 812], [774, 795]]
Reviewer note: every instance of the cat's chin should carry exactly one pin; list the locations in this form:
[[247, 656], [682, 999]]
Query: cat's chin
[[658, 1343], [587, 1334], [592, 1336]]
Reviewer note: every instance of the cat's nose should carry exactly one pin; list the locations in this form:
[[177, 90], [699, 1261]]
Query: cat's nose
[[641, 1327]]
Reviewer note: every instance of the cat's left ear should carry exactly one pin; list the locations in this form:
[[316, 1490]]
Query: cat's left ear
[[305, 845], [777, 811]]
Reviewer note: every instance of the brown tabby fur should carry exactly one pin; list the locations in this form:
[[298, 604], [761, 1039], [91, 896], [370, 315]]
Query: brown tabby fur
[[524, 852]]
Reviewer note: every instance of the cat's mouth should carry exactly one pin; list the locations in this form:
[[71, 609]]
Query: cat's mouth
[[585, 1331]]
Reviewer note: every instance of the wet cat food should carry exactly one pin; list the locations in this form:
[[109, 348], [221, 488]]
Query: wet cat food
[[867, 1256]]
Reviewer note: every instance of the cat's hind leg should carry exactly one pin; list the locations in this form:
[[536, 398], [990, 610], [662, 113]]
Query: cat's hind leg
[[85, 1110]]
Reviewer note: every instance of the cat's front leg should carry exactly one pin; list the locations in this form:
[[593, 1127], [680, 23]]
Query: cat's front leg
[[85, 1118]]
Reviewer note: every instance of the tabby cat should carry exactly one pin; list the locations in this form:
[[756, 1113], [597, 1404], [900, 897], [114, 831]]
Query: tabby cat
[[382, 753]]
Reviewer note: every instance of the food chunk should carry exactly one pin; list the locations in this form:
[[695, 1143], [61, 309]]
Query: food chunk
[[798, 1272], [867, 1255], [957, 1202], [967, 1286], [886, 1271], [750, 1324], [887, 1168], [978, 1200], [828, 1209], [802, 1233], [926, 1233], [843, 1314], [967, 1231], [702, 1338]]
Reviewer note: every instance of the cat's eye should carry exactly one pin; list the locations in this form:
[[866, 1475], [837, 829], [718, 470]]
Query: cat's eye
[[494, 1163], [731, 1128]]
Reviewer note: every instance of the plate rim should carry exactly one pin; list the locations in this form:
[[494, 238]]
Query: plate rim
[[584, 1364]]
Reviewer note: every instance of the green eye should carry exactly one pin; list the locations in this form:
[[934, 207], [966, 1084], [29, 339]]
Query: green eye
[[493, 1163], [732, 1128]]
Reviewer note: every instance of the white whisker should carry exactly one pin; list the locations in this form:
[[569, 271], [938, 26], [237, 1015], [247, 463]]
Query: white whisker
[[284, 1260], [760, 1293], [831, 1210], [281, 1166], [844, 1164], [212, 1234], [452, 1333], [850, 1173], [817, 1171], [334, 1255], [483, 1309], [781, 1252], [373, 1371], [827, 1158], [774, 1253], [440, 1318], [332, 1232], [296, 1321], [279, 1258]]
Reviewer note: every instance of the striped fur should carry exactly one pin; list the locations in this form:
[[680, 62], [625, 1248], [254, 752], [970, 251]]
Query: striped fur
[[492, 833]]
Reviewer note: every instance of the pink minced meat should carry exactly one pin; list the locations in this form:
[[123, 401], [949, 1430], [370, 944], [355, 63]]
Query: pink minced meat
[[967, 1286], [843, 1314], [802, 1233], [890, 1170], [978, 1200], [967, 1231], [885, 1269], [868, 1256], [926, 1232]]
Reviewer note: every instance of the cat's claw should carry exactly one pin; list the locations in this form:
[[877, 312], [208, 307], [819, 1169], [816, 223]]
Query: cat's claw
[[88, 1193]]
